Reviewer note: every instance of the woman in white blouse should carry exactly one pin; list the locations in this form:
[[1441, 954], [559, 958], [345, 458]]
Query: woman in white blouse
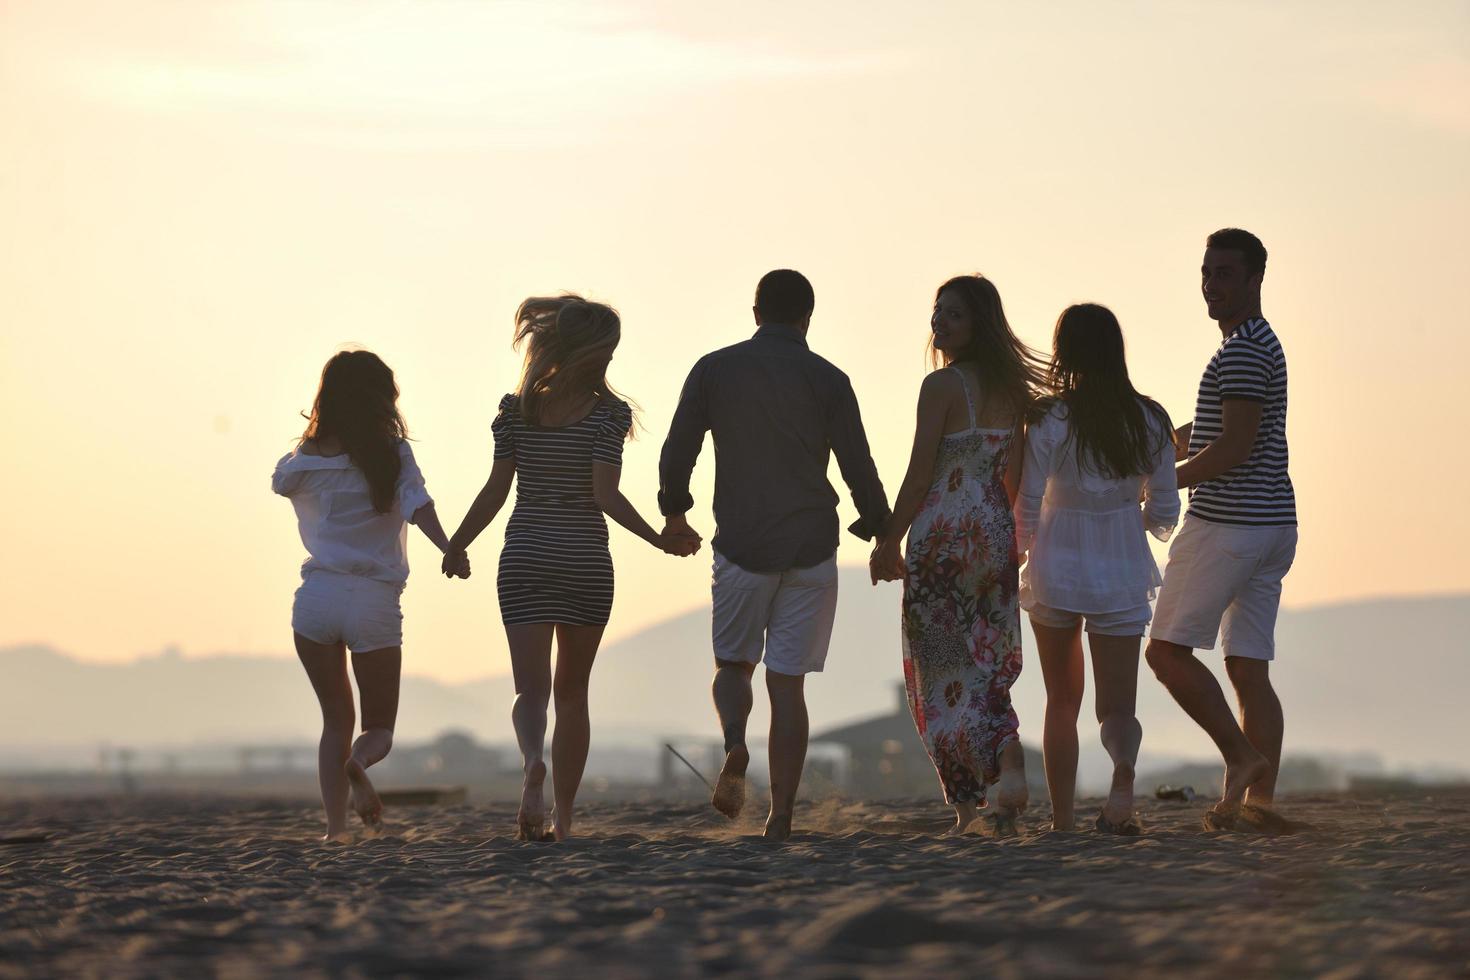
[[354, 483], [1093, 451]]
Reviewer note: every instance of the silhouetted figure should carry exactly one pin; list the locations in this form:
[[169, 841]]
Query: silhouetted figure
[[1238, 539], [354, 483], [560, 438], [1094, 448], [961, 619], [776, 412]]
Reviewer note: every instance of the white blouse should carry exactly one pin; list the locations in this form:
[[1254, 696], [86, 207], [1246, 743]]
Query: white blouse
[[1084, 531], [335, 515]]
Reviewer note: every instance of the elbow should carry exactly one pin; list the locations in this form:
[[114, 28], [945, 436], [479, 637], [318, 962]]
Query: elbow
[[604, 499]]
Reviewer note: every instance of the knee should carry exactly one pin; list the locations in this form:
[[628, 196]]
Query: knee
[[569, 693], [1161, 661], [339, 721], [1064, 706]]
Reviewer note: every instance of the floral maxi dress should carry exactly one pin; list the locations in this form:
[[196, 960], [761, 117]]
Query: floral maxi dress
[[961, 612]]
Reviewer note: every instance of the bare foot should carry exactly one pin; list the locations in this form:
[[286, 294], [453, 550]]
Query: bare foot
[[1012, 792], [729, 795], [531, 819], [1119, 806], [965, 814], [1239, 775], [342, 836], [561, 828], [778, 827], [365, 802]]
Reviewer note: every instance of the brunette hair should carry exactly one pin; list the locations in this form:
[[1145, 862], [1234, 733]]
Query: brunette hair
[[1009, 370], [1252, 252], [569, 343], [357, 405], [1110, 421]]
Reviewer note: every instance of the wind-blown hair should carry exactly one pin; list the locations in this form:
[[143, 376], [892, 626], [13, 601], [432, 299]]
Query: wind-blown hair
[[357, 405], [1010, 373], [1110, 421], [569, 343]]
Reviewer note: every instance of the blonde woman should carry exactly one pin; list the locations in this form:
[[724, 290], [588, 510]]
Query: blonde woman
[[560, 437]]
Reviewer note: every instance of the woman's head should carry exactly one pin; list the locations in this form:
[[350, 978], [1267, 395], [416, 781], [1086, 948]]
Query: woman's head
[[569, 344], [1089, 373], [968, 326], [356, 406], [1087, 343]]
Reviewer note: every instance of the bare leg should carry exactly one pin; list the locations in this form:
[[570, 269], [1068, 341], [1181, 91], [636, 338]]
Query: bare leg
[[733, 701], [1198, 693], [788, 748], [964, 814], [1060, 650], [530, 664], [1261, 719], [377, 673], [576, 649], [326, 666], [1012, 794], [1115, 671]]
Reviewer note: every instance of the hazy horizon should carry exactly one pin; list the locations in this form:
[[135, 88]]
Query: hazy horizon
[[204, 202]]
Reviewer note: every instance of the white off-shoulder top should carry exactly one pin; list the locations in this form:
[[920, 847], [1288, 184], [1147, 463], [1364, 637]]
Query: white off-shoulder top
[[335, 515], [1085, 531]]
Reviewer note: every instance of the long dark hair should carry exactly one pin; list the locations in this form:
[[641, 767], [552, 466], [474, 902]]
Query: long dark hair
[[569, 343], [1010, 372], [357, 405], [1089, 375]]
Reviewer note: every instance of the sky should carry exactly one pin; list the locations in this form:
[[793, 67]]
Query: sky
[[202, 202]]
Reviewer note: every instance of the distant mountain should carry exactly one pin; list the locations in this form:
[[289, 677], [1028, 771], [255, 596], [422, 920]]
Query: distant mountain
[[1379, 677]]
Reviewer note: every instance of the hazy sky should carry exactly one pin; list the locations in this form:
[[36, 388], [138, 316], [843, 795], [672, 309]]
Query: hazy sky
[[199, 203]]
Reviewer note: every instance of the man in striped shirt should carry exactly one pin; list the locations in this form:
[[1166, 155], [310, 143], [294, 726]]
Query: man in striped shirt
[[1238, 538]]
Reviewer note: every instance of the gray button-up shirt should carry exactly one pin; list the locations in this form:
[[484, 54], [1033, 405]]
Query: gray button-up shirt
[[776, 411]]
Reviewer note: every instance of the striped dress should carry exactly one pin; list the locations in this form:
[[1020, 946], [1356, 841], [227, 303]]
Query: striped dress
[[555, 566]]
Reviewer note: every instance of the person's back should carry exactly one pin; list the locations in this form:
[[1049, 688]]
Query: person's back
[[776, 412]]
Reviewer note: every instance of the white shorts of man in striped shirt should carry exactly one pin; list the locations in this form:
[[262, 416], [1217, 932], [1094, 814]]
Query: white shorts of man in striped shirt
[[1224, 580]]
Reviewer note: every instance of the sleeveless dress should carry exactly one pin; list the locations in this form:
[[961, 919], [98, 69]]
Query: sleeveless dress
[[961, 612], [555, 566]]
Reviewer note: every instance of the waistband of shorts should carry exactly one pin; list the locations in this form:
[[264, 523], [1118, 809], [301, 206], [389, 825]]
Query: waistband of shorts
[[346, 580]]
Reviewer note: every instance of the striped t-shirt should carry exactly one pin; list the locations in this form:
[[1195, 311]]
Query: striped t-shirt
[[1250, 365]]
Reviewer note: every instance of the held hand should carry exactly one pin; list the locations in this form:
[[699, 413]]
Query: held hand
[[886, 563], [456, 564], [679, 545], [1181, 441]]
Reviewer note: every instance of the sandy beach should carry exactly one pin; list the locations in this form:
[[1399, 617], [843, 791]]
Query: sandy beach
[[210, 886]]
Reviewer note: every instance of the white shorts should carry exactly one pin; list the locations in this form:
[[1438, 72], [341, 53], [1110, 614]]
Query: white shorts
[[1124, 622], [1226, 580], [361, 612], [787, 614]]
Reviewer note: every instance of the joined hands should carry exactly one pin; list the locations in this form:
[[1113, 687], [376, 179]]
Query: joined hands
[[456, 564], [678, 538], [886, 563]]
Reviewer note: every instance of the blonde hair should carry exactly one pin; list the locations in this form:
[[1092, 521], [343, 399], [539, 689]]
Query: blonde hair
[[569, 343]]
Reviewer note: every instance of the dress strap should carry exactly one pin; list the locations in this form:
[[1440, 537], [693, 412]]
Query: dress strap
[[969, 402]]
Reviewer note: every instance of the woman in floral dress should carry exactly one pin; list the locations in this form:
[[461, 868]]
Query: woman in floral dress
[[961, 611]]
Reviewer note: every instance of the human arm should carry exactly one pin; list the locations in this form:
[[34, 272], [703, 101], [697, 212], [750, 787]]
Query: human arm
[[1161, 494], [1181, 441], [680, 453], [1040, 442], [611, 501], [487, 504], [887, 560], [1240, 423], [849, 443]]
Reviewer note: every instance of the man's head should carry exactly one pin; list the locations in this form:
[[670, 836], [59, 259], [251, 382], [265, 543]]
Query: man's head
[[784, 297], [1230, 278]]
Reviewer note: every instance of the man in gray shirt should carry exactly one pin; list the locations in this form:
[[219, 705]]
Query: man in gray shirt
[[777, 412]]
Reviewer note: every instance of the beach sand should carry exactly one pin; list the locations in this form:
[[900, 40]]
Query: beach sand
[[222, 887]]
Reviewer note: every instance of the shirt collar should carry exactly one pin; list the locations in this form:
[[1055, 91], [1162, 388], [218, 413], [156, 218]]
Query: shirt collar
[[779, 331]]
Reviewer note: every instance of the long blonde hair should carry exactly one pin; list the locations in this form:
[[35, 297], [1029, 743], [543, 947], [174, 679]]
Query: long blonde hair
[[569, 343]]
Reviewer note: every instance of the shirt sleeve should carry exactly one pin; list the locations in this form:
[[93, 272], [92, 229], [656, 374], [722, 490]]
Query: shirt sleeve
[[503, 428], [286, 478], [1041, 442], [1161, 493], [855, 461], [1244, 370], [411, 492], [681, 448], [607, 445]]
